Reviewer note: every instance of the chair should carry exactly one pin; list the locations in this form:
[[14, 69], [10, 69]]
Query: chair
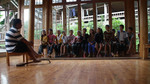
[[25, 55]]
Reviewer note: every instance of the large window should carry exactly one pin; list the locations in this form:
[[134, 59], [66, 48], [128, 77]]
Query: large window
[[57, 1], [71, 0], [118, 14], [136, 24], [37, 2], [38, 23], [72, 18], [87, 16], [26, 23], [102, 15], [57, 18]]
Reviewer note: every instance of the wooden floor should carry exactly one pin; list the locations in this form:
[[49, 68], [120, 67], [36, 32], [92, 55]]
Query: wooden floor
[[131, 71]]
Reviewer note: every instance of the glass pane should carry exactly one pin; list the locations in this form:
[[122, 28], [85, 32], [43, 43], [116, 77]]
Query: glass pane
[[38, 2], [26, 2], [148, 11], [57, 18], [38, 23], [136, 24], [87, 16], [102, 15], [57, 1], [72, 18], [118, 15], [3, 30], [26, 22], [71, 0], [86, 0]]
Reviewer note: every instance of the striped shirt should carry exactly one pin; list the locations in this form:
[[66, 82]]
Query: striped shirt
[[12, 37]]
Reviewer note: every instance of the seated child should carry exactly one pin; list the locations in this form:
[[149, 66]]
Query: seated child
[[122, 36], [85, 43], [77, 43], [99, 41], [58, 43], [114, 44], [51, 41], [71, 39], [43, 42], [108, 38], [91, 44], [130, 39], [63, 46]]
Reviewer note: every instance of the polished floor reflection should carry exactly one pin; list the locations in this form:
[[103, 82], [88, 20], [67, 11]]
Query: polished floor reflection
[[133, 71]]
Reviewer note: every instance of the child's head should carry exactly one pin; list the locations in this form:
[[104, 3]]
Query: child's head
[[71, 32], [79, 33], [43, 32], [114, 31], [58, 32], [99, 30], [64, 33], [121, 27], [91, 31], [50, 31], [107, 27], [84, 30], [130, 29]]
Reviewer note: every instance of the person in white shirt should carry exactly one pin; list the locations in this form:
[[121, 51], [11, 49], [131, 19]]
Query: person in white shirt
[[63, 46], [122, 38]]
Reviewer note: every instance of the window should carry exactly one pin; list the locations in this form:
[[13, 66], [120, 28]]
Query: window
[[136, 24], [57, 1], [37, 2], [87, 16], [71, 0], [26, 2], [102, 15], [57, 18], [38, 23], [72, 18], [26, 23], [86, 0], [118, 15]]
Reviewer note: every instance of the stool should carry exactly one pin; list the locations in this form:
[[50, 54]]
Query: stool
[[25, 55]]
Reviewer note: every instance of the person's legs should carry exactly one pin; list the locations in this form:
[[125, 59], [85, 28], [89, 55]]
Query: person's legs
[[109, 49], [22, 47], [105, 49], [40, 49], [89, 48], [100, 48], [93, 49], [64, 49], [56, 50], [61, 49], [68, 49]]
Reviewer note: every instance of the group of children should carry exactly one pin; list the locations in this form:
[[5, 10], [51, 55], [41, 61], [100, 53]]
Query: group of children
[[84, 45]]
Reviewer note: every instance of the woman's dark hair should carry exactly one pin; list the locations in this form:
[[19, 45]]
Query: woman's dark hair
[[42, 34], [50, 29], [80, 32], [107, 26], [63, 32], [101, 31], [93, 32], [113, 30], [122, 26], [84, 29], [15, 22], [130, 28]]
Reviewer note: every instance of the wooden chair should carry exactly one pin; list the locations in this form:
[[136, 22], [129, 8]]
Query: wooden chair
[[25, 55]]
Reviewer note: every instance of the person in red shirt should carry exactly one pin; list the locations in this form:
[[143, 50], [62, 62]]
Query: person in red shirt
[[51, 41]]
